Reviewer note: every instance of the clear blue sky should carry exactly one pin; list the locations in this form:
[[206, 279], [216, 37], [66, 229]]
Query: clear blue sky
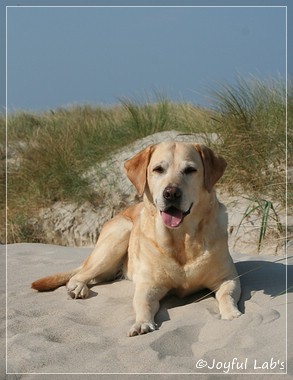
[[66, 56]]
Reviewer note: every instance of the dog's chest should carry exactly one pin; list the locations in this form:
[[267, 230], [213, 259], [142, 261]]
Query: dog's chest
[[187, 270], [186, 252], [173, 261]]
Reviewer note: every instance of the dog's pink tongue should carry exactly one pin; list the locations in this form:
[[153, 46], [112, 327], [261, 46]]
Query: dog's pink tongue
[[172, 217]]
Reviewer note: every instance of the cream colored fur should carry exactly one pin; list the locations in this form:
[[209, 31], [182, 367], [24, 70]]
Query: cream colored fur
[[157, 257]]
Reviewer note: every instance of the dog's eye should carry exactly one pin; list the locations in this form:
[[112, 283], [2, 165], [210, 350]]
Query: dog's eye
[[189, 170], [158, 169]]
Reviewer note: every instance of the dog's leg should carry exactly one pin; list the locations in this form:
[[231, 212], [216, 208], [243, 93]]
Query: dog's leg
[[146, 303], [228, 295], [106, 258]]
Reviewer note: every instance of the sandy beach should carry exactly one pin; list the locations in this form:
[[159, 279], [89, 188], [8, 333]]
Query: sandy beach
[[47, 333]]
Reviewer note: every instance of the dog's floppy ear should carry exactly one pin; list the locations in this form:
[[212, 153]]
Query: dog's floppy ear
[[214, 166], [136, 168]]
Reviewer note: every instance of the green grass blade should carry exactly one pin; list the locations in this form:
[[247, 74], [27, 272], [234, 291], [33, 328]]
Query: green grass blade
[[246, 214], [264, 222]]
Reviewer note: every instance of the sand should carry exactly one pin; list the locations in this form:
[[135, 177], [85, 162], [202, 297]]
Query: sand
[[47, 333]]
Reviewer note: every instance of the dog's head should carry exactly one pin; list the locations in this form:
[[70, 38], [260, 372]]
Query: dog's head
[[175, 175]]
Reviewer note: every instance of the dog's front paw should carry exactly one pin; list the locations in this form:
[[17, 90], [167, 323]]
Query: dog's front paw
[[140, 328], [231, 313], [76, 289]]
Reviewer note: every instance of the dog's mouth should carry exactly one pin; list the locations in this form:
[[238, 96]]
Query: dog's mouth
[[173, 217]]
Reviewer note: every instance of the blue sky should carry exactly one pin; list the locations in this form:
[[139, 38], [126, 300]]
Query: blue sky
[[65, 56]]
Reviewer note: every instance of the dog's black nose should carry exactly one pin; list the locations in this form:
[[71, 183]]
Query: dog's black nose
[[172, 193]]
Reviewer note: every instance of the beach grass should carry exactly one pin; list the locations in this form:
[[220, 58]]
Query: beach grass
[[251, 120], [48, 153]]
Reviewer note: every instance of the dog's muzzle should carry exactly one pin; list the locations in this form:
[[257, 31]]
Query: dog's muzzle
[[173, 217]]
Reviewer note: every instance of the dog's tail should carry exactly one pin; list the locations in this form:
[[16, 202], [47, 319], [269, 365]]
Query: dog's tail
[[53, 282]]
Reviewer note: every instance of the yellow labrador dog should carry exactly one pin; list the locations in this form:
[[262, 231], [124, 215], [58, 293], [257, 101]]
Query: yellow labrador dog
[[176, 239]]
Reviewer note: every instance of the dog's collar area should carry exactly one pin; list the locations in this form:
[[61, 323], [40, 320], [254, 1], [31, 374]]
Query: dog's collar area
[[173, 217]]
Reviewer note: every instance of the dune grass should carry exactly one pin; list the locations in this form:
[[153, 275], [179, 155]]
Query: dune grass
[[251, 120], [49, 153]]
